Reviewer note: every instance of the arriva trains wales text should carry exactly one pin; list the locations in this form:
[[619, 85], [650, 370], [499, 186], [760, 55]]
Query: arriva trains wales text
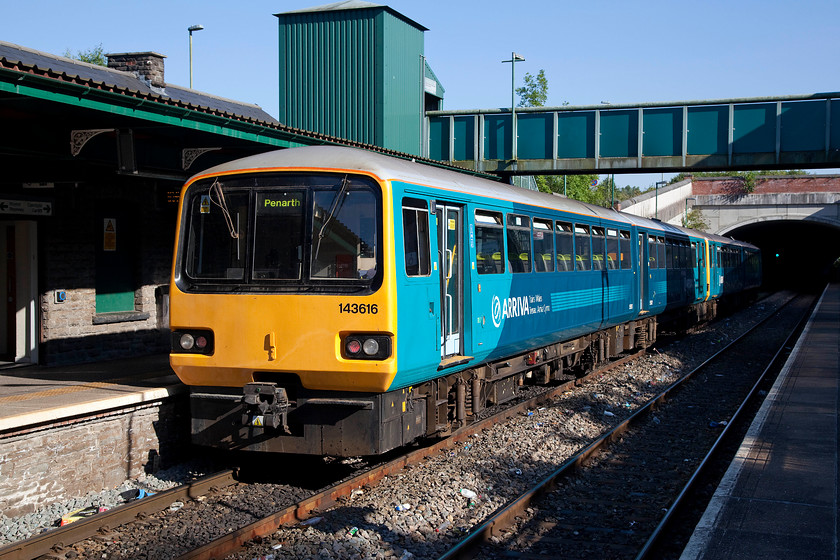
[[517, 307]]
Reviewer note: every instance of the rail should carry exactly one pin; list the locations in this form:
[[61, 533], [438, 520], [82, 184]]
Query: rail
[[506, 516]]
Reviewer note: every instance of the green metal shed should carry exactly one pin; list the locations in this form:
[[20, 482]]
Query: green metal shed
[[356, 70]]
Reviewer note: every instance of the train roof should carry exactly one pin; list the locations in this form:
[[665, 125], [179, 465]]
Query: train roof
[[394, 169]]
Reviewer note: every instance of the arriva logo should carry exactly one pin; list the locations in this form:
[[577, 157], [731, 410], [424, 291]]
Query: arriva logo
[[510, 308], [497, 311]]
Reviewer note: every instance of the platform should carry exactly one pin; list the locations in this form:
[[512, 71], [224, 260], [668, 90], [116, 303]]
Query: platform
[[779, 498], [32, 395]]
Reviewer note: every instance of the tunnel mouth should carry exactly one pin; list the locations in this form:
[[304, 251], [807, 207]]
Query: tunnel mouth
[[801, 255]]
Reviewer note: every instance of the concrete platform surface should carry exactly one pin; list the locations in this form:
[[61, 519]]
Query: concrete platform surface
[[779, 498], [32, 395]]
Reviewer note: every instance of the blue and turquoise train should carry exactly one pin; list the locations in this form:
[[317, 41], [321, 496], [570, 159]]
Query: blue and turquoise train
[[334, 301]]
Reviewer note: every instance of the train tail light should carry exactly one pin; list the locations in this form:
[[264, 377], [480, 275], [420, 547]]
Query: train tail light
[[366, 346]]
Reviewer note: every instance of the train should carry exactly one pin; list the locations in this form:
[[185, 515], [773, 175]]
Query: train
[[328, 300]]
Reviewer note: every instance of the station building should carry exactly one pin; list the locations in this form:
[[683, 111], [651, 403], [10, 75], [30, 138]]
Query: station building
[[93, 159]]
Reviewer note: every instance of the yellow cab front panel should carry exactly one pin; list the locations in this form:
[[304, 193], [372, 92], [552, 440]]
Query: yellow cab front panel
[[297, 334], [276, 268]]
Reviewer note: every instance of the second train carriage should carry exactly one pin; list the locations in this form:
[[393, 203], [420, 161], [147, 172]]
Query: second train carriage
[[328, 300]]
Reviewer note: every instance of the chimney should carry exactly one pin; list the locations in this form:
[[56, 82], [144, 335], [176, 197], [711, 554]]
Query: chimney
[[147, 66]]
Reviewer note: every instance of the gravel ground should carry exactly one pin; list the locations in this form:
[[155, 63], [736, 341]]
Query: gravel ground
[[422, 511], [17, 528]]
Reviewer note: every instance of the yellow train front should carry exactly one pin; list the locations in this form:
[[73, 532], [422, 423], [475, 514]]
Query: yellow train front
[[282, 319]]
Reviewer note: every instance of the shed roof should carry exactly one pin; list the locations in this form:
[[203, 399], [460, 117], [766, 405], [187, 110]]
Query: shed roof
[[353, 5], [107, 78]]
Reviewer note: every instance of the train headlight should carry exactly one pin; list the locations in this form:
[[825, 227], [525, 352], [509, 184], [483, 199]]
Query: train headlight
[[364, 346], [371, 347], [192, 341], [187, 341]]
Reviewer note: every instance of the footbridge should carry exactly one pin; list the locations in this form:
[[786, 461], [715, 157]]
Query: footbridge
[[800, 132]]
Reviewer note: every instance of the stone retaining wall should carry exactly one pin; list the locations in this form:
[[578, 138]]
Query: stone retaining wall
[[71, 458]]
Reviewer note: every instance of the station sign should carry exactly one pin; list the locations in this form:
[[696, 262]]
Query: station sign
[[26, 207]]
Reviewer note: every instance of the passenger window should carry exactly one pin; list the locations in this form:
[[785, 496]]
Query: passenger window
[[598, 249], [489, 242], [652, 252], [519, 243], [583, 258], [565, 247], [543, 245], [416, 237], [660, 248], [624, 239], [612, 249]]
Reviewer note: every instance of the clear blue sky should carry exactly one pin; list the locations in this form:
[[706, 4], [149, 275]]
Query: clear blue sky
[[591, 51]]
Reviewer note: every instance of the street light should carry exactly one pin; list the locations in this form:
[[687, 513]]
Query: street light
[[191, 29], [514, 58], [656, 199]]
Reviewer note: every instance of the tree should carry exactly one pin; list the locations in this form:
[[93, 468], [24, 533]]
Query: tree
[[535, 91], [694, 219], [94, 55]]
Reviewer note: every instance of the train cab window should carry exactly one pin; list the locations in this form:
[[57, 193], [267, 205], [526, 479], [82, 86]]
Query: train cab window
[[519, 242], [624, 240], [215, 247], [489, 242], [598, 249], [278, 239], [416, 237], [344, 233], [583, 252], [612, 249], [660, 250], [652, 252], [564, 236], [543, 245]]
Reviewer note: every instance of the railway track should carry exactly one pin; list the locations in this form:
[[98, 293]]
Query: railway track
[[615, 498], [55, 543], [108, 532]]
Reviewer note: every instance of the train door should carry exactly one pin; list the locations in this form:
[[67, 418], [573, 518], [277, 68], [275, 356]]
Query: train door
[[450, 251], [643, 272], [700, 264]]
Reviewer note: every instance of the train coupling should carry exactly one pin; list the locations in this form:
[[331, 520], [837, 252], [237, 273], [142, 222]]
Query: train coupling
[[266, 406]]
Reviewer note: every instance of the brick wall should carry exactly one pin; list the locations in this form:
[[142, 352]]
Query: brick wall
[[62, 460], [72, 331]]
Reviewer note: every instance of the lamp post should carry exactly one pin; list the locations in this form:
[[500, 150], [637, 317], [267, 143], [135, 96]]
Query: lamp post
[[191, 29], [514, 58], [656, 199]]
